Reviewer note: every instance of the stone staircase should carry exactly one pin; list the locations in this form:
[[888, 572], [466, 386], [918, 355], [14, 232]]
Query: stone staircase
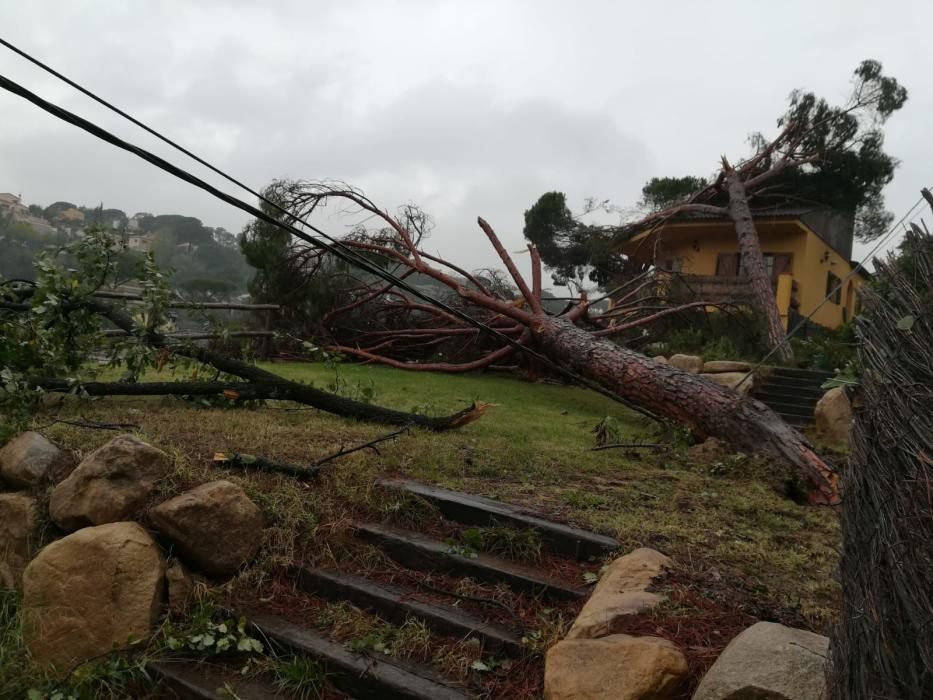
[[792, 393], [417, 555]]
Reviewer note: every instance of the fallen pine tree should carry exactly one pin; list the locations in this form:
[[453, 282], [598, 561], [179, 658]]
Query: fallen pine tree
[[576, 341]]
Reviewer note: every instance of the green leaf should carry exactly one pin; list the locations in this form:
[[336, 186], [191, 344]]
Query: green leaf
[[590, 577], [479, 666], [906, 323]]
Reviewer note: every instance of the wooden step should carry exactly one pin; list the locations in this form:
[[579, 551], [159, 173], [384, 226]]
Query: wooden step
[[361, 676], [789, 408], [397, 605], [814, 375], [787, 396], [418, 552], [793, 384], [203, 680], [477, 510]]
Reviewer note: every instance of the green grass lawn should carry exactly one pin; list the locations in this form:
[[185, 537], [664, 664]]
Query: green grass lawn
[[727, 518]]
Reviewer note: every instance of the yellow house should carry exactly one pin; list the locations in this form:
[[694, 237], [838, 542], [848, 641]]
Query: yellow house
[[807, 252]]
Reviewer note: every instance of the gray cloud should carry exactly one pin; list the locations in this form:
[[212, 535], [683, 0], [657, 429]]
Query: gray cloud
[[465, 109]]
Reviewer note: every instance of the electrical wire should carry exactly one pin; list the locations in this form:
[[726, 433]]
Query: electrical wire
[[333, 246]]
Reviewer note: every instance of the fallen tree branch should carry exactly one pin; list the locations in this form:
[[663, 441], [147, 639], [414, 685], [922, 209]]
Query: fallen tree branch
[[623, 445], [275, 389], [93, 425], [249, 462], [366, 445]]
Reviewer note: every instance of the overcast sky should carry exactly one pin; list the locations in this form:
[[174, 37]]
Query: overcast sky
[[466, 108]]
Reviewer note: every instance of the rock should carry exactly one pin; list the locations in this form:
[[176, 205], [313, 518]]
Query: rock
[[620, 592], [89, 591], [111, 484], [215, 527], [688, 363], [18, 535], [834, 415], [661, 360], [618, 667], [181, 587], [716, 366], [710, 450], [31, 459], [771, 661], [731, 380]]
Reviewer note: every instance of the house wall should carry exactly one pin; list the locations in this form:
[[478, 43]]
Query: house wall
[[697, 245], [820, 260]]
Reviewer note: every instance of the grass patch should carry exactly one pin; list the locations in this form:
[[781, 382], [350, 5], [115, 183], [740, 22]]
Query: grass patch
[[532, 449]]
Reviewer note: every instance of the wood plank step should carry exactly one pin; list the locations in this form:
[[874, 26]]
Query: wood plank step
[[793, 383], [478, 510], [789, 408], [426, 554], [769, 394], [202, 680], [363, 677], [396, 605], [816, 375]]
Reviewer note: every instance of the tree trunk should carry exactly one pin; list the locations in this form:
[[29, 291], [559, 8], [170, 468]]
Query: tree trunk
[[708, 409], [754, 263]]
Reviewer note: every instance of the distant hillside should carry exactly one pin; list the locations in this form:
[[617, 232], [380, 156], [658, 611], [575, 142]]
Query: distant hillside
[[205, 262]]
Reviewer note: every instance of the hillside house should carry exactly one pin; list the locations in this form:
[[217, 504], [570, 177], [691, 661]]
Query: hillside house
[[12, 203], [807, 251]]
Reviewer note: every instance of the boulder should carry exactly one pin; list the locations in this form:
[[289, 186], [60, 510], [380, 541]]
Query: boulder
[[90, 591], [618, 667], [181, 587], [110, 485], [31, 459], [771, 661], [215, 527], [18, 536], [620, 592], [834, 415], [661, 360], [731, 380], [717, 366], [688, 363]]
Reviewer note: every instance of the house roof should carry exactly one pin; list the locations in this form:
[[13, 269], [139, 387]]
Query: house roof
[[835, 228]]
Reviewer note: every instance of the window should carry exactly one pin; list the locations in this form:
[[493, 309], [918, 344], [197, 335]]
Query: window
[[833, 288]]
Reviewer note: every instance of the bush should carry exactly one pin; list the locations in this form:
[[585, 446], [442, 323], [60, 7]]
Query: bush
[[825, 349], [737, 334]]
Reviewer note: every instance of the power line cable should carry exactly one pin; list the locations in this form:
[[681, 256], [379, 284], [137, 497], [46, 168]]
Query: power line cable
[[339, 250]]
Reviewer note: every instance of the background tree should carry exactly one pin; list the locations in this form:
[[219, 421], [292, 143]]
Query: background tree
[[305, 282], [575, 252], [662, 192]]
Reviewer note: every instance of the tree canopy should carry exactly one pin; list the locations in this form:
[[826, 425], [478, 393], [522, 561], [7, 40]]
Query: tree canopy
[[853, 167], [662, 192], [575, 252]]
